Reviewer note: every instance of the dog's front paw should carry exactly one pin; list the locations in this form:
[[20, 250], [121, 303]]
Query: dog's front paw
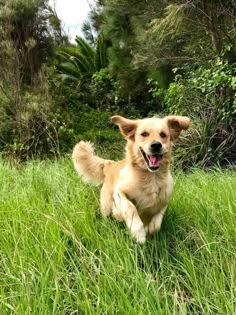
[[139, 234], [153, 227]]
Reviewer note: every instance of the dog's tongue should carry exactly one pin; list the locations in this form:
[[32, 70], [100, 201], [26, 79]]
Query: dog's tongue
[[154, 160]]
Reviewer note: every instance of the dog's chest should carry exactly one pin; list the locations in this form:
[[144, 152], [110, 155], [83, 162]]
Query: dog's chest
[[151, 195]]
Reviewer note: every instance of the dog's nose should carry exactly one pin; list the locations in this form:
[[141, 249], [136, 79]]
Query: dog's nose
[[156, 146]]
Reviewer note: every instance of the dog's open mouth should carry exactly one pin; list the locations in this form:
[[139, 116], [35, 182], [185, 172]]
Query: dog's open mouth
[[153, 161]]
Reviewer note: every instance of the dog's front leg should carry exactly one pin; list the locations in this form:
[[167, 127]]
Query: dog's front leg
[[156, 221], [130, 215]]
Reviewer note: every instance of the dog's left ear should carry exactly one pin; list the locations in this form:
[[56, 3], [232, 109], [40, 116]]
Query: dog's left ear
[[176, 124], [127, 126]]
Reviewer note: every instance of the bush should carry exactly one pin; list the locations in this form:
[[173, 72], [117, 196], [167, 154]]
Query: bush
[[205, 144], [32, 129], [27, 126], [210, 87], [207, 95], [89, 124], [102, 88]]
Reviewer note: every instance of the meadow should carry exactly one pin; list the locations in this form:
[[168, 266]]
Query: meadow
[[58, 256]]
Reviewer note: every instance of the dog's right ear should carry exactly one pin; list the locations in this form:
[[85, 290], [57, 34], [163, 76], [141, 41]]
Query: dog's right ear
[[176, 124], [127, 126]]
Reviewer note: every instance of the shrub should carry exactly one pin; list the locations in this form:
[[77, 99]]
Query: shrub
[[210, 87], [207, 95], [89, 124], [31, 131], [205, 144], [102, 88]]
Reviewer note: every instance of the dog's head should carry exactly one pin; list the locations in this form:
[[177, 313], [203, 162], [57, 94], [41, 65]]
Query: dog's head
[[151, 137]]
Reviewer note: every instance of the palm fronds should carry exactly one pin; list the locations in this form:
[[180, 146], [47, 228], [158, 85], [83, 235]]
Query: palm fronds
[[82, 61]]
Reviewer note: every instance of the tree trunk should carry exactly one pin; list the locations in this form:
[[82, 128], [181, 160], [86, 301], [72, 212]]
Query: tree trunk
[[210, 10]]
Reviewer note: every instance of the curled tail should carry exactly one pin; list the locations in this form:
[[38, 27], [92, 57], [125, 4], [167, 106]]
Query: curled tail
[[88, 165]]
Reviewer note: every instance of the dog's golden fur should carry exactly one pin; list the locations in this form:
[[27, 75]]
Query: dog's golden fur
[[137, 189]]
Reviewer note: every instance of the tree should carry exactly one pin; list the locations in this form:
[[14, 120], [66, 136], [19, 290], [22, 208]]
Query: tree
[[79, 63], [122, 23], [88, 32], [188, 31], [29, 34], [34, 29]]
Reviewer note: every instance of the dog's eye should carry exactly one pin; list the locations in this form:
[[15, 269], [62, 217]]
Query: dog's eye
[[163, 135], [145, 134]]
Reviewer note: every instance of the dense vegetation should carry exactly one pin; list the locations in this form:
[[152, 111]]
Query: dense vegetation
[[137, 59], [59, 256]]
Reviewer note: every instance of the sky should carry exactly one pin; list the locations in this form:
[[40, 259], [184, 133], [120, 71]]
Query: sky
[[72, 13]]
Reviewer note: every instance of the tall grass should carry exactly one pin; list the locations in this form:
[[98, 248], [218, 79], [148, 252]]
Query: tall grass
[[58, 256]]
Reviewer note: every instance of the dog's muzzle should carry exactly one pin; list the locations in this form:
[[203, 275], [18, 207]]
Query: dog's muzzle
[[153, 161]]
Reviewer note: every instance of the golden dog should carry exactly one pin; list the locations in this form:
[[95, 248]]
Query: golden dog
[[137, 189]]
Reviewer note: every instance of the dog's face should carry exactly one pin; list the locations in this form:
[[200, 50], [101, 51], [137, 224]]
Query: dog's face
[[151, 137]]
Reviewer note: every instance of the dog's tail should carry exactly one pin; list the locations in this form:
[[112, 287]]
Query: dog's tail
[[89, 166]]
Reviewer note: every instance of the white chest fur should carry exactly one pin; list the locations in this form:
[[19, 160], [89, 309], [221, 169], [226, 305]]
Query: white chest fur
[[149, 193], [155, 194]]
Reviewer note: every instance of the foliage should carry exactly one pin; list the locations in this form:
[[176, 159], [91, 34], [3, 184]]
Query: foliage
[[103, 88], [81, 62], [119, 23], [137, 59], [78, 64], [187, 32], [34, 29], [30, 129], [27, 126], [207, 143], [208, 87], [85, 123], [56, 246], [87, 30], [207, 94]]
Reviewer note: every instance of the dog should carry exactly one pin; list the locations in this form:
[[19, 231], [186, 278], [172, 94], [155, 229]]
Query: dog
[[136, 189]]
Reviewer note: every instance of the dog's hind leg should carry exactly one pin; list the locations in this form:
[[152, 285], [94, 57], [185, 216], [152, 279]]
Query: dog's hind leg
[[130, 215], [106, 200]]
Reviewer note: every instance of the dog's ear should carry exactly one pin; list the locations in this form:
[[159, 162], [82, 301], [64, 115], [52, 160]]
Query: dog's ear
[[176, 124], [127, 126]]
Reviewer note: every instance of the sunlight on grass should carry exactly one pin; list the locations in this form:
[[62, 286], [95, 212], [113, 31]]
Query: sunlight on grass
[[58, 256]]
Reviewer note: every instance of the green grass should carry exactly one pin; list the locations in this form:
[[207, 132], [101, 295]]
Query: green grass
[[58, 256]]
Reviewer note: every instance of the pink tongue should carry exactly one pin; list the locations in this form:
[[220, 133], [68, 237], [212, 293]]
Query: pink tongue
[[153, 161]]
